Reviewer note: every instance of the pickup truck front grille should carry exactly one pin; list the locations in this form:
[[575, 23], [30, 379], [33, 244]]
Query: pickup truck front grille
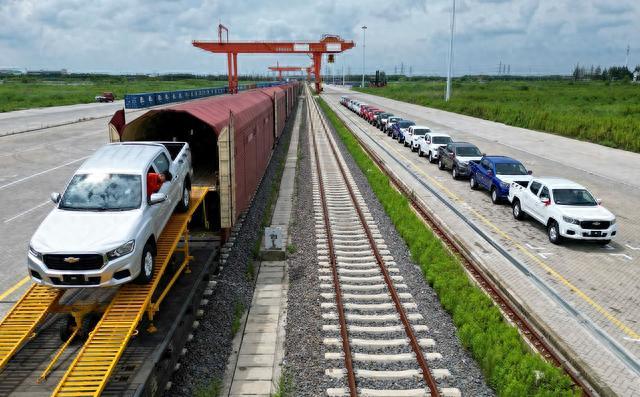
[[73, 261], [595, 225]]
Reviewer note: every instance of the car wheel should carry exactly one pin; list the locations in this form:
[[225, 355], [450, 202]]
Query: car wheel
[[472, 183], [495, 199], [517, 210], [420, 154], [440, 164], [147, 263], [554, 233], [454, 173], [183, 205], [430, 157], [604, 242]]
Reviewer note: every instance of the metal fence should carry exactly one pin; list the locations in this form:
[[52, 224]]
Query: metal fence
[[145, 100]]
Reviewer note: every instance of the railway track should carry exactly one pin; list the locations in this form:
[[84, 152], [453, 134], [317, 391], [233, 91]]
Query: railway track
[[377, 342]]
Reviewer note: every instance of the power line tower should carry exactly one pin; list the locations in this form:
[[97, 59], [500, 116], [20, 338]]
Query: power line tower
[[410, 70], [626, 61], [500, 68], [402, 68], [395, 69]]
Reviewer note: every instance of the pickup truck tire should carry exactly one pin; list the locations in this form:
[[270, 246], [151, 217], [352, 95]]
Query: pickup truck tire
[[146, 265], [495, 199], [473, 184], [440, 165], [431, 157], [183, 205], [553, 232], [516, 209], [420, 153], [454, 172]]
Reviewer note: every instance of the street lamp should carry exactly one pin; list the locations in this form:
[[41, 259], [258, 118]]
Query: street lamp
[[449, 70], [364, 41]]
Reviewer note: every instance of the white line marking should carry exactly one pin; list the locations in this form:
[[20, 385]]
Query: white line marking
[[608, 247], [630, 339], [633, 248], [545, 255], [25, 212], [533, 247], [623, 256], [41, 172]]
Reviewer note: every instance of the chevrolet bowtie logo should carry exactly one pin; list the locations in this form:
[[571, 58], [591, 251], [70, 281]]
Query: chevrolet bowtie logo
[[71, 259], [596, 223]]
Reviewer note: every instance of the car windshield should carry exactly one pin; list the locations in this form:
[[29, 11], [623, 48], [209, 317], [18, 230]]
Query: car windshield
[[405, 124], [510, 169], [468, 151], [420, 131], [573, 197], [441, 139], [102, 192]]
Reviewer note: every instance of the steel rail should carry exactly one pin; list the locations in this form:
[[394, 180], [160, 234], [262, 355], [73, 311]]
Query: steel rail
[[530, 332], [415, 346], [344, 333]]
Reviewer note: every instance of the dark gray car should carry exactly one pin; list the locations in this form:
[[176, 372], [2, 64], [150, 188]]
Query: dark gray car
[[455, 156]]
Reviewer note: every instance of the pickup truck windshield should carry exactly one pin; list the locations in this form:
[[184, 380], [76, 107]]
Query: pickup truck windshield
[[405, 124], [510, 169], [102, 192], [441, 140], [420, 131], [468, 151], [573, 197]]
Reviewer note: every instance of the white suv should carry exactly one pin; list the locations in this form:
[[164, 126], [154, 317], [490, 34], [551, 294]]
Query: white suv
[[430, 144], [415, 135], [567, 209]]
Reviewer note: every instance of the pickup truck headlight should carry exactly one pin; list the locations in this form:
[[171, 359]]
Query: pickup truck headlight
[[504, 185], [613, 221], [573, 221], [35, 253], [122, 250]]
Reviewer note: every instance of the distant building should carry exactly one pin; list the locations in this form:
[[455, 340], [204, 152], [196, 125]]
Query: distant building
[[41, 72], [636, 76], [10, 71]]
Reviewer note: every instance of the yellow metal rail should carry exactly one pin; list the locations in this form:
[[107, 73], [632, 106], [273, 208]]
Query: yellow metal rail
[[19, 325], [90, 371]]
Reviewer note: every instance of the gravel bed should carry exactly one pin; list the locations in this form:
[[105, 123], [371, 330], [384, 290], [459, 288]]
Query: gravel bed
[[304, 348], [211, 346]]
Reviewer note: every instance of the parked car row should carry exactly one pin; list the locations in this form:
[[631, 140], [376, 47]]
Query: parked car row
[[567, 209]]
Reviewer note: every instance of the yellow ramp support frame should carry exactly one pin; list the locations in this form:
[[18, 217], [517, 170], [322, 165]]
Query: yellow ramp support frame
[[89, 372], [20, 323]]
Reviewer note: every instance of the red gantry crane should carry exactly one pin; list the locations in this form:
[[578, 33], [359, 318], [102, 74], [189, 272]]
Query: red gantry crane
[[281, 69], [329, 44]]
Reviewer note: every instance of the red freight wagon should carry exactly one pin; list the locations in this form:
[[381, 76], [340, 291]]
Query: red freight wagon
[[279, 100], [231, 139]]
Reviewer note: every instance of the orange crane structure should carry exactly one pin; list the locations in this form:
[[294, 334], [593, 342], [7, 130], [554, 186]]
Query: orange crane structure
[[329, 44], [280, 69]]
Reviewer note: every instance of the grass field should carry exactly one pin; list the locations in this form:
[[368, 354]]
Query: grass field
[[16, 94], [599, 112]]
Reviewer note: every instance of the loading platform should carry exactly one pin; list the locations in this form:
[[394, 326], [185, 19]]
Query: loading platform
[[96, 360]]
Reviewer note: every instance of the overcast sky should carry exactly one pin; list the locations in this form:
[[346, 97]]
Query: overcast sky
[[148, 36]]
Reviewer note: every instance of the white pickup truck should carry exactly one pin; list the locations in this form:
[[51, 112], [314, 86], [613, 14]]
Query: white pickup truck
[[104, 227], [567, 209]]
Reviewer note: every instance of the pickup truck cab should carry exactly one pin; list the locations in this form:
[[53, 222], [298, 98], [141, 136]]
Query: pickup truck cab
[[104, 227], [495, 174], [455, 156], [567, 209], [399, 128], [430, 144], [388, 126], [415, 135], [381, 120]]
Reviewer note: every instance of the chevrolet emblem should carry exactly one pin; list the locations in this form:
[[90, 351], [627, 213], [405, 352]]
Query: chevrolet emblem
[[71, 259], [596, 223]]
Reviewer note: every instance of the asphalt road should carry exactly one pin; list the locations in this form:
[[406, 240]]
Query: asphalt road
[[33, 165], [33, 119], [601, 282]]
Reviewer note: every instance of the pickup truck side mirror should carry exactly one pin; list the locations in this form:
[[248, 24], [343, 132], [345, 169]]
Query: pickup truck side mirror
[[490, 173], [599, 201], [157, 198], [55, 197], [545, 200], [529, 172]]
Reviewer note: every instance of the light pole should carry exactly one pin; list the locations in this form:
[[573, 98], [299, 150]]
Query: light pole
[[449, 70], [364, 42]]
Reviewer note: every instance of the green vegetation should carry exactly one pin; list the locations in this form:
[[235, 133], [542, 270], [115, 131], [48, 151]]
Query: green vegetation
[[24, 92], [291, 248], [212, 388], [508, 364], [606, 113], [238, 311], [250, 273], [285, 385]]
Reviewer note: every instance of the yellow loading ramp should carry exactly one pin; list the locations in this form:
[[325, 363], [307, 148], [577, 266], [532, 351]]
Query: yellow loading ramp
[[89, 373]]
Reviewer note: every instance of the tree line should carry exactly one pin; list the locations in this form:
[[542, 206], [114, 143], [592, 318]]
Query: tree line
[[606, 74]]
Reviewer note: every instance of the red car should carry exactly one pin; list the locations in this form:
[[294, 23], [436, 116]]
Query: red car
[[368, 112], [363, 110], [373, 114]]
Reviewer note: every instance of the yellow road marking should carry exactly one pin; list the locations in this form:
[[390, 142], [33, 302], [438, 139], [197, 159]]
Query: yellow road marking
[[605, 313], [14, 288]]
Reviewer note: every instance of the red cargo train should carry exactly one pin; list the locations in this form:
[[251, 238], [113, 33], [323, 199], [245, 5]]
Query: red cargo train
[[279, 101], [231, 139]]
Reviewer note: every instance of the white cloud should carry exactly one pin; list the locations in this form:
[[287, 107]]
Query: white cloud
[[155, 36]]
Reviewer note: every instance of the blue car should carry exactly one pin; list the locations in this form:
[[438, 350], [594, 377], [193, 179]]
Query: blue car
[[495, 174], [398, 129]]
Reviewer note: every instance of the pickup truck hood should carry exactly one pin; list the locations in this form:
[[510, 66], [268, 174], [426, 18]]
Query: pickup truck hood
[[593, 213], [85, 231], [466, 159], [514, 178]]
